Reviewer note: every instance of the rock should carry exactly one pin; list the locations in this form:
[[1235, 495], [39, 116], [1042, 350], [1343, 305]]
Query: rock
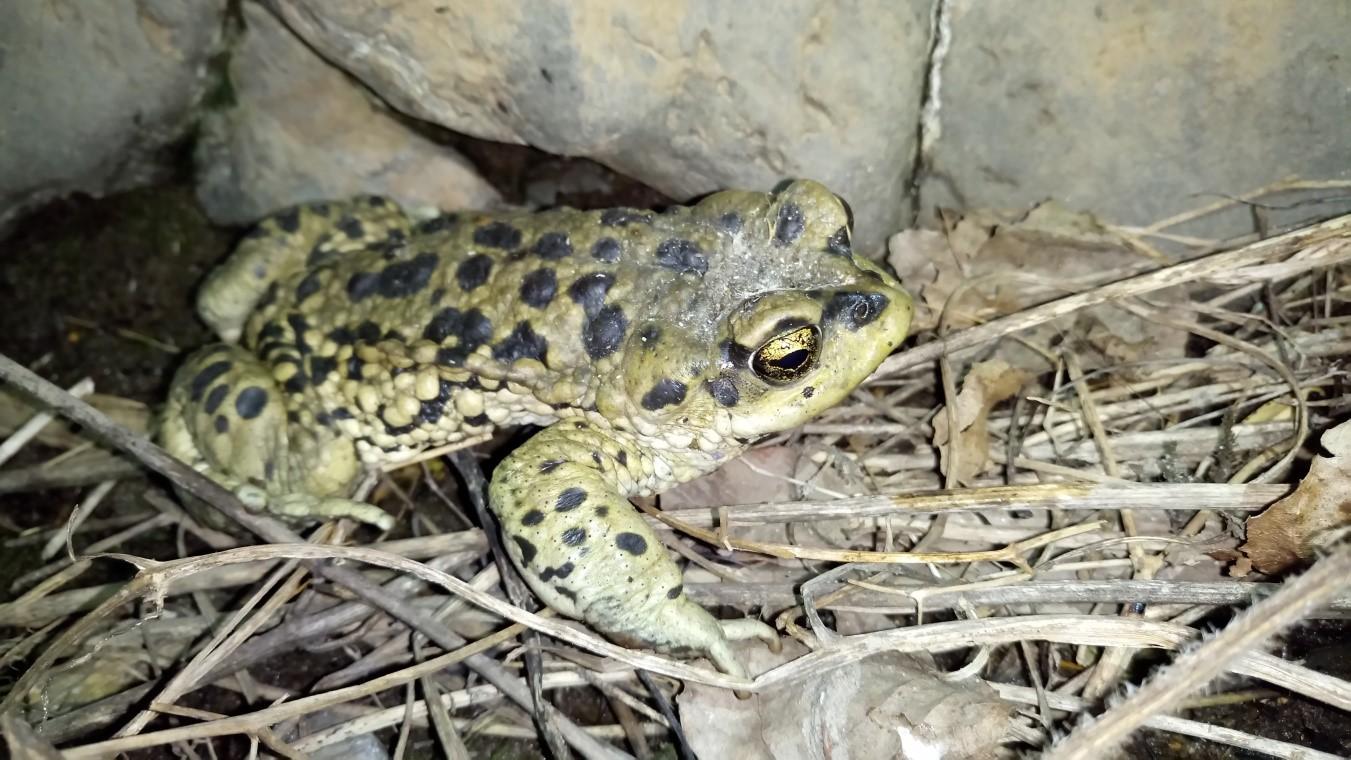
[[301, 130], [1137, 110], [93, 92], [688, 97]]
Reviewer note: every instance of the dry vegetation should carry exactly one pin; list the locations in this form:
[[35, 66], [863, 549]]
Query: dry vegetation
[[1072, 487]]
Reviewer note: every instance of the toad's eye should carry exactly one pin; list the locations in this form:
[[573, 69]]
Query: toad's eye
[[787, 357]]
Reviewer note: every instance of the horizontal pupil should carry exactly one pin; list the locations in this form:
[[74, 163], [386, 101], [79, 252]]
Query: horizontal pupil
[[792, 361]]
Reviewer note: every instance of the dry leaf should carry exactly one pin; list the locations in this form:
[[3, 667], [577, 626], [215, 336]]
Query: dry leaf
[[1284, 534], [985, 386], [997, 266], [889, 705]]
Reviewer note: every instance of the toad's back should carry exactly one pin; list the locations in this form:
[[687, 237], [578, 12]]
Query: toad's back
[[667, 341]]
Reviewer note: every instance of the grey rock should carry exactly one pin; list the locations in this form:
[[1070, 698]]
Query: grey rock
[[687, 97], [90, 93], [1139, 109], [301, 130]]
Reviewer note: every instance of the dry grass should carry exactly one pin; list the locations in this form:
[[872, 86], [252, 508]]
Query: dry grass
[[1094, 512]]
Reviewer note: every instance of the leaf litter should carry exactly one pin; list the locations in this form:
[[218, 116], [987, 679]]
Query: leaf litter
[[958, 568]]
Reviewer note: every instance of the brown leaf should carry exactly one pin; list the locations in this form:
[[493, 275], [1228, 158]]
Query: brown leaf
[[985, 386], [1284, 534]]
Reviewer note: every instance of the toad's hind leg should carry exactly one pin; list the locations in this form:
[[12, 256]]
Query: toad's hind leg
[[288, 241], [225, 417], [589, 554]]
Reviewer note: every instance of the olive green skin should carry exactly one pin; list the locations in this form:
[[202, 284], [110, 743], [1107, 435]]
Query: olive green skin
[[356, 337]]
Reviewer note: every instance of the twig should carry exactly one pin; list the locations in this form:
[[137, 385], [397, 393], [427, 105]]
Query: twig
[[1199, 666], [218, 497]]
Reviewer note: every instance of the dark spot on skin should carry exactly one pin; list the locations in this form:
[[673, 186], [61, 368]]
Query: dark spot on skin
[[392, 245], [405, 278], [533, 517], [522, 343], [569, 499], [438, 224], [343, 336], [269, 469], [321, 253], [362, 285], [444, 389], [289, 220], [606, 249], [323, 418], [297, 382], [206, 377], [838, 243], [562, 571], [675, 592], [735, 355], [790, 225], [498, 235], [723, 390], [854, 310], [429, 412], [595, 457], [351, 227], [549, 465], [342, 413], [539, 287], [683, 256], [666, 392], [368, 332], [398, 430], [649, 336], [589, 291], [299, 326], [574, 536], [447, 322], [250, 402], [274, 346], [604, 334], [320, 367], [729, 222], [215, 397], [550, 79], [632, 543], [293, 418], [474, 271], [808, 392], [622, 457], [569, 593], [618, 217], [478, 420], [602, 512], [222, 424], [437, 295], [552, 246], [477, 330], [308, 286], [272, 330], [354, 366], [527, 549], [269, 296]]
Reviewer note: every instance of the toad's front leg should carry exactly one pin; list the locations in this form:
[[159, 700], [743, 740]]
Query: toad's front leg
[[589, 554]]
